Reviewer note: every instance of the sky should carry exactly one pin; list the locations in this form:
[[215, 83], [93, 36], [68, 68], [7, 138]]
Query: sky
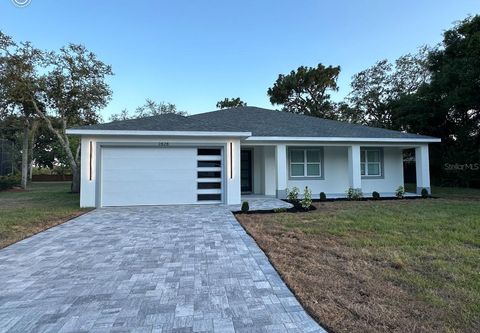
[[194, 53]]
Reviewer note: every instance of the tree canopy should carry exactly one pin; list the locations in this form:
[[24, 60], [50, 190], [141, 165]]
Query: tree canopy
[[306, 91], [150, 108], [230, 103]]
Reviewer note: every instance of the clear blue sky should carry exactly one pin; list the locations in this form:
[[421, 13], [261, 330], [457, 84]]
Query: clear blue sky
[[194, 53]]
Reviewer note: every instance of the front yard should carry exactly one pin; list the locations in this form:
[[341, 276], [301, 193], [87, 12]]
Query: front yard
[[403, 266], [44, 205]]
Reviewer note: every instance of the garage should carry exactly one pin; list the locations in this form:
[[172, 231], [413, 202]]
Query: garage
[[154, 175]]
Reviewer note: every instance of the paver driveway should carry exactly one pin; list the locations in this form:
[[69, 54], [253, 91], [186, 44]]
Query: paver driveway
[[145, 269]]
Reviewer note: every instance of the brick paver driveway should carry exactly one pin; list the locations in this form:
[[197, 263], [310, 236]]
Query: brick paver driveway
[[145, 269]]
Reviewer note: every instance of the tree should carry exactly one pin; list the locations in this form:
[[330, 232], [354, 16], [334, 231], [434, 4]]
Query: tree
[[448, 105], [230, 103], [68, 85], [18, 65], [150, 108], [306, 91]]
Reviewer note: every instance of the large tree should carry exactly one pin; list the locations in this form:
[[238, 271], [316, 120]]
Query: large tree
[[306, 91], [18, 75], [375, 88], [69, 86], [150, 108], [230, 103]]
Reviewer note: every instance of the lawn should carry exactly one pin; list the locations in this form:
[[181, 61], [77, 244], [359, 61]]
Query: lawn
[[43, 205], [389, 266]]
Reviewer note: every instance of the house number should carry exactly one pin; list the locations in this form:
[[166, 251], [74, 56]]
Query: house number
[[163, 144]]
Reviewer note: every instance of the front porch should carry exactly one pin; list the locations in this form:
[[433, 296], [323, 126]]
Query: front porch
[[269, 169]]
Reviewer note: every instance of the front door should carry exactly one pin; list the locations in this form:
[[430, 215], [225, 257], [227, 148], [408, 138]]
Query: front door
[[246, 170]]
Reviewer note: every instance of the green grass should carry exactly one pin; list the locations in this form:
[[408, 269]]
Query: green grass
[[430, 247], [23, 213]]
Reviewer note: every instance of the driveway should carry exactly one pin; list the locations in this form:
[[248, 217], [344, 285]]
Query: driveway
[[145, 269]]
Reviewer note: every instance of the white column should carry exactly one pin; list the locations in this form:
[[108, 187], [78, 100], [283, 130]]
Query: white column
[[233, 173], [281, 160], [422, 166], [354, 170]]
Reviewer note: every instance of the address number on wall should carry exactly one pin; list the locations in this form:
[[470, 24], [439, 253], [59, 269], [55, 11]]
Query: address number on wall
[[163, 144]]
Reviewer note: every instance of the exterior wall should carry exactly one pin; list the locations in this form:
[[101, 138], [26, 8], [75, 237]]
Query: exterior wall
[[270, 170], [335, 174], [392, 176], [88, 189]]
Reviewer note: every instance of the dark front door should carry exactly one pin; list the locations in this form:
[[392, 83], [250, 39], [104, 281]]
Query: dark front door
[[246, 170]]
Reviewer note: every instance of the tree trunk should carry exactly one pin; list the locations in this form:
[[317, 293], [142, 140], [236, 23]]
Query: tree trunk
[[26, 131], [32, 143], [75, 187]]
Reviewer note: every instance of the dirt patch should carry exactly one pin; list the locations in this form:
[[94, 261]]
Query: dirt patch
[[22, 232], [342, 289]]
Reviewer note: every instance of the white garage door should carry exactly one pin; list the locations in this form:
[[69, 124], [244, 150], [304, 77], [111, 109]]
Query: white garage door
[[153, 176]]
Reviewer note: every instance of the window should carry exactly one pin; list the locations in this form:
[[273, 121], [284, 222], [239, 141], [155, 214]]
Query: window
[[305, 162], [370, 162], [208, 151]]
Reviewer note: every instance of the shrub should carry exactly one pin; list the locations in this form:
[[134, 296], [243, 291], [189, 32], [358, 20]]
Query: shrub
[[323, 196], [245, 207], [279, 210], [400, 192], [293, 194], [354, 193], [375, 195], [425, 193], [306, 202], [8, 182]]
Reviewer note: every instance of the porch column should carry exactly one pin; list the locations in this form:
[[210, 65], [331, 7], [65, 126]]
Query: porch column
[[354, 170], [281, 160], [422, 166]]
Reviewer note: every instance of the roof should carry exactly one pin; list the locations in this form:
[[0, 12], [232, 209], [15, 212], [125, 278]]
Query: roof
[[258, 121]]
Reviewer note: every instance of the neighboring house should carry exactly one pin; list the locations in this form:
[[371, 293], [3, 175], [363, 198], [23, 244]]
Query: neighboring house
[[215, 157]]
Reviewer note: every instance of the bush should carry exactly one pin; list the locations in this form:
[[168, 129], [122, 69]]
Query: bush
[[245, 207], [306, 202], [279, 210], [400, 192], [323, 196], [8, 182], [293, 194], [425, 193], [354, 193], [375, 195]]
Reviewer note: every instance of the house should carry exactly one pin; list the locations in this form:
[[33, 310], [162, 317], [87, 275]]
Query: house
[[216, 157]]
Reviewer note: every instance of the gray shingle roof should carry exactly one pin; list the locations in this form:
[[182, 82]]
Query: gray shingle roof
[[259, 121]]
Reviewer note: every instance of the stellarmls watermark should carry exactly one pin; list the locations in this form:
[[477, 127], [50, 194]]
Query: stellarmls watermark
[[456, 166], [21, 3]]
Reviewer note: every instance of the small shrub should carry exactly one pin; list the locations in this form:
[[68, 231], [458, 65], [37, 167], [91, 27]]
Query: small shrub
[[425, 193], [279, 210], [245, 207], [323, 196], [375, 195], [354, 193], [293, 194], [306, 202], [8, 182], [400, 192]]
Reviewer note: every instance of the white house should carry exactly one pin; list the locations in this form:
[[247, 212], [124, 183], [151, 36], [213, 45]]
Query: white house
[[216, 157]]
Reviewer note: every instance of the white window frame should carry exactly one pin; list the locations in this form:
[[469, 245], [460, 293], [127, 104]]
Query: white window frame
[[364, 152], [306, 163]]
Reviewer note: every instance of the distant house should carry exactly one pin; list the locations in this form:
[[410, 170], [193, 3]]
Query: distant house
[[216, 157]]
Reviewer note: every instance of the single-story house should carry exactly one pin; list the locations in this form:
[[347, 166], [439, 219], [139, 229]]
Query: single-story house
[[218, 156]]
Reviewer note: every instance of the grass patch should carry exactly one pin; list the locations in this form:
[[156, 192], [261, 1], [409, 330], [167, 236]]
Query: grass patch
[[43, 205], [407, 265]]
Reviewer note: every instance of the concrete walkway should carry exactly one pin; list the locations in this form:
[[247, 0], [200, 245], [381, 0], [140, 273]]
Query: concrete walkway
[[145, 269]]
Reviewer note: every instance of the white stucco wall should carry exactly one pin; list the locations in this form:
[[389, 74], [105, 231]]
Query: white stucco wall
[[88, 188], [269, 170], [392, 177]]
